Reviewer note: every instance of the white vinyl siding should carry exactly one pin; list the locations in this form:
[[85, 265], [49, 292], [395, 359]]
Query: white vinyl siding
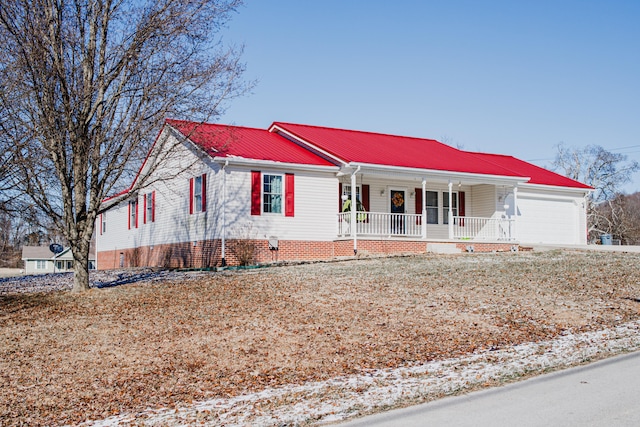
[[315, 209]]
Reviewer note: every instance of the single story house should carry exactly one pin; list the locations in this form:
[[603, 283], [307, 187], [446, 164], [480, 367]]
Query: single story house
[[227, 195], [41, 260]]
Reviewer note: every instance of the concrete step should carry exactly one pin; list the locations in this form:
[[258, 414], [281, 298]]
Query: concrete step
[[443, 248]]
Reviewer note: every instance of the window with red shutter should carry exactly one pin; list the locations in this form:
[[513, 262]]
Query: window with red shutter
[[191, 196], [256, 190], [204, 193], [133, 214], [289, 201], [149, 201], [198, 194], [418, 192]]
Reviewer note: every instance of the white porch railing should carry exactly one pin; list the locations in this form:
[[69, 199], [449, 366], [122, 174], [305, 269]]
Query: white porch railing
[[380, 224], [475, 228], [409, 225]]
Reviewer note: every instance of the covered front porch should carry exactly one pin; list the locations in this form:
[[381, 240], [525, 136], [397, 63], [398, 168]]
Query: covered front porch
[[394, 203], [390, 225]]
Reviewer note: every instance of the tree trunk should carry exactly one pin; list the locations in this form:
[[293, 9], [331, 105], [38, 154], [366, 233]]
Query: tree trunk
[[81, 267]]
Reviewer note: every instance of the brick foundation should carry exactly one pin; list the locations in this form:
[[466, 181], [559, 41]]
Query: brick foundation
[[206, 254]]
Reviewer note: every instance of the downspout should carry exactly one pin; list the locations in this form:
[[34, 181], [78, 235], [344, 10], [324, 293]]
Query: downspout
[[424, 208], [223, 261], [450, 210], [354, 208], [515, 212]]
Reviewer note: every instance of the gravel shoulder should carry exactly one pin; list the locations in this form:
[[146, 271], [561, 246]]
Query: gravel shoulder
[[303, 344]]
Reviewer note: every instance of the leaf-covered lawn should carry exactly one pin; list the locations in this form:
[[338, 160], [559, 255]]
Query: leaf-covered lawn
[[66, 357]]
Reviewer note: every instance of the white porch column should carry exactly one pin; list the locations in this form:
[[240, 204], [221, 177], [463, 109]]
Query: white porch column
[[450, 210], [424, 208], [514, 234], [354, 207]]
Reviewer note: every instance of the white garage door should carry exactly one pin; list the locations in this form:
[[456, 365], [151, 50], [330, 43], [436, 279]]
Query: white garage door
[[542, 220]]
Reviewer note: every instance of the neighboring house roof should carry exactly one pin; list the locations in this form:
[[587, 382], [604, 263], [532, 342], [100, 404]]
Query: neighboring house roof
[[43, 252], [249, 143], [36, 252], [391, 150]]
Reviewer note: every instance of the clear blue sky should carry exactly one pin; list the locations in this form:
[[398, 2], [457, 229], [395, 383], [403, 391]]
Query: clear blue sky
[[511, 77]]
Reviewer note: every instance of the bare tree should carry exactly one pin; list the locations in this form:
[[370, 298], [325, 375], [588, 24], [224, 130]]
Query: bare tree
[[620, 217], [603, 170], [86, 86]]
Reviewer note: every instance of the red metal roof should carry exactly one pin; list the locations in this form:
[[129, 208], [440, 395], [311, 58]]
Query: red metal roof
[[537, 174], [393, 150], [249, 143]]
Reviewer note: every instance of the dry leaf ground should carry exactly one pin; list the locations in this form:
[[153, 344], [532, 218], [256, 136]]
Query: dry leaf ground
[[66, 358]]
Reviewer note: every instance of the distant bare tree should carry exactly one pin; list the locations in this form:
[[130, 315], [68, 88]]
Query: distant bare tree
[[86, 86], [603, 170], [620, 217]]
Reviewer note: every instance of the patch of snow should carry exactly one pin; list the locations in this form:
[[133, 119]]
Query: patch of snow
[[340, 398]]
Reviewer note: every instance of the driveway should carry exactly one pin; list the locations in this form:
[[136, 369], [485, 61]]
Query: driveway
[[604, 393]]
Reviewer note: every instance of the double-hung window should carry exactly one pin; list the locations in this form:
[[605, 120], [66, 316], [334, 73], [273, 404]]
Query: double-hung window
[[272, 193], [149, 207], [41, 264], [445, 206], [133, 214], [102, 223], [346, 191], [198, 194], [432, 207]]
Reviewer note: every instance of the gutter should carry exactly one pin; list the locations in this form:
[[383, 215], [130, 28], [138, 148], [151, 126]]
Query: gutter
[[445, 175], [241, 161]]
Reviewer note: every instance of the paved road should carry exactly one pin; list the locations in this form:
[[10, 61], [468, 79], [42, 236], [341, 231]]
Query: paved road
[[605, 393]]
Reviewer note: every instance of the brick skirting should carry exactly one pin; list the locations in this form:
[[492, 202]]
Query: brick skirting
[[206, 254]]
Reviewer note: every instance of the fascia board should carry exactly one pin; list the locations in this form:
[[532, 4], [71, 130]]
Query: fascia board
[[454, 176], [162, 136], [584, 191], [241, 161]]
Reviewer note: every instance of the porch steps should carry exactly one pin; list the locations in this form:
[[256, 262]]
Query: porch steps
[[443, 248]]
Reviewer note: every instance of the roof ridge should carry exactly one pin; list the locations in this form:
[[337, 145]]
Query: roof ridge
[[362, 131]]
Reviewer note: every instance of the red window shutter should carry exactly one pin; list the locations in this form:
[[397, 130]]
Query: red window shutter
[[365, 200], [461, 203], [129, 216], [289, 198], [365, 197], [190, 196], [256, 187], [204, 192], [153, 206], [418, 192], [144, 209], [100, 224], [137, 212], [339, 197]]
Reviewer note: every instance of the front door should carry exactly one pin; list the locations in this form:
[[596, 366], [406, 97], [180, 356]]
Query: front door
[[397, 211]]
